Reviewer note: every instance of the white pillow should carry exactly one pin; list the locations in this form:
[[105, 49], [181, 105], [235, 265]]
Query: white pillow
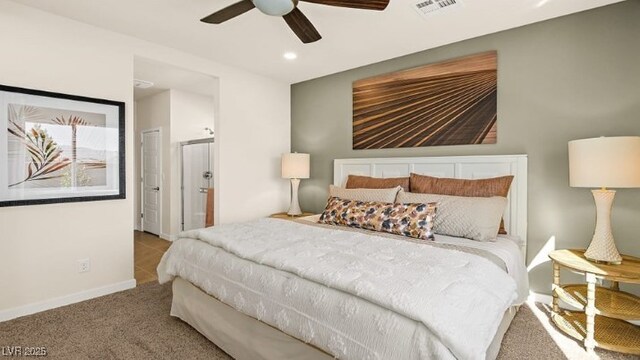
[[377, 195], [476, 218]]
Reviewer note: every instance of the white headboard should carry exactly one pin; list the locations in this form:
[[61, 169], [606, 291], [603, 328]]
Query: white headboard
[[459, 167]]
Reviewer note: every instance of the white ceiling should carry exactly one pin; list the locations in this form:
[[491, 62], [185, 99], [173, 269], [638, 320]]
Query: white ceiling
[[351, 38], [165, 77]]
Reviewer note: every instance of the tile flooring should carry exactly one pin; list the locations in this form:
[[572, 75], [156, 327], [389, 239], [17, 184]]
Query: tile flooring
[[148, 250]]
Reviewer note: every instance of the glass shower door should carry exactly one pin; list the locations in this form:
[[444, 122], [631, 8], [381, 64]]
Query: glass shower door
[[197, 184]]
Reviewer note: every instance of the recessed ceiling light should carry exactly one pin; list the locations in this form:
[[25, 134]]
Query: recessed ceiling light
[[290, 55]]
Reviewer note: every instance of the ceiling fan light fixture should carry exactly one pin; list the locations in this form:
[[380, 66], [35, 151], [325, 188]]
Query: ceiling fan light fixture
[[275, 7]]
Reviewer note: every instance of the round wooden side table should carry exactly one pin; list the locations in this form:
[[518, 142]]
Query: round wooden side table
[[602, 321]]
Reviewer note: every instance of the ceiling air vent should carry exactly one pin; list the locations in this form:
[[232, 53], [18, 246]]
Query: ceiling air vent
[[428, 7], [142, 84]]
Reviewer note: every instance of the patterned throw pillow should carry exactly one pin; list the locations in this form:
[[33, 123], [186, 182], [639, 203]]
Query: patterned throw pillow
[[412, 220]]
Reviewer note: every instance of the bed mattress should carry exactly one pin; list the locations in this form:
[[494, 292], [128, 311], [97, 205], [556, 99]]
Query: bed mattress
[[337, 291]]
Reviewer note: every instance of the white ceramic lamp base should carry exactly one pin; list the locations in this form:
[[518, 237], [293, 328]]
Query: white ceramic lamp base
[[294, 208], [603, 248]]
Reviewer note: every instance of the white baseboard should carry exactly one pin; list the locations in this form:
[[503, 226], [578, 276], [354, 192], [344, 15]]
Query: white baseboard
[[65, 300], [168, 237]]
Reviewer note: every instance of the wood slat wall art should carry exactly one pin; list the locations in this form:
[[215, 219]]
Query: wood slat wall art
[[449, 103]]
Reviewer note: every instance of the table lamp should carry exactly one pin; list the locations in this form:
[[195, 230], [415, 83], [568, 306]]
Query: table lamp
[[601, 163], [295, 167]]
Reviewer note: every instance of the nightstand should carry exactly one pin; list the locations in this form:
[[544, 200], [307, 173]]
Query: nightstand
[[601, 322], [284, 215]]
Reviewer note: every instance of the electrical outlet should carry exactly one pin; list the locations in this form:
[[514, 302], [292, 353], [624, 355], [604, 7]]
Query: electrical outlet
[[84, 265]]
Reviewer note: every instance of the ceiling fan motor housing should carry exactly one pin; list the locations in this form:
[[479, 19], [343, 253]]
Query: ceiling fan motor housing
[[275, 7]]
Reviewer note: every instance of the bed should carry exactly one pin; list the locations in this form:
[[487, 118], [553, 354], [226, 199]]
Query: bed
[[278, 289]]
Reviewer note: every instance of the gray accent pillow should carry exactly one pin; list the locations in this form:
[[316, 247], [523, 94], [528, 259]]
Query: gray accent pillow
[[476, 218], [377, 195]]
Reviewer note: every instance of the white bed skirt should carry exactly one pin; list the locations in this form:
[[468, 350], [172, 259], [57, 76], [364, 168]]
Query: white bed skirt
[[245, 338], [239, 335]]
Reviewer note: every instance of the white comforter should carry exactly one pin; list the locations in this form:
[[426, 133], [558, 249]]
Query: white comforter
[[354, 295]]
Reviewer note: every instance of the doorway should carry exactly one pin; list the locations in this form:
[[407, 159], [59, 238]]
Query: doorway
[[183, 105], [151, 189]]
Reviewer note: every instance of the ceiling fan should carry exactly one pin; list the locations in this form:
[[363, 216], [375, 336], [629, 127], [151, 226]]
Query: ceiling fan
[[289, 11]]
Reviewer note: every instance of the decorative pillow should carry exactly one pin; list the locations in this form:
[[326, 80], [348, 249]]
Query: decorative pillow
[[379, 195], [412, 220], [476, 218], [498, 186], [368, 182]]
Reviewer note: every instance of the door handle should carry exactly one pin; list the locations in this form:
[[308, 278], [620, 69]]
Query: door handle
[[157, 188], [203, 190]]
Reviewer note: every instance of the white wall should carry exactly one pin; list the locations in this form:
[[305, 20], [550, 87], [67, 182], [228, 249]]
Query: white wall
[[190, 114], [153, 112], [249, 161], [39, 245]]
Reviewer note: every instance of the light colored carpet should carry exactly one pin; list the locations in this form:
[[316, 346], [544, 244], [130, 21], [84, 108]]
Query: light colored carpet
[[135, 324]]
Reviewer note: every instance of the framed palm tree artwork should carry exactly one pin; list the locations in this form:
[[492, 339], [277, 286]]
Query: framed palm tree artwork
[[59, 148]]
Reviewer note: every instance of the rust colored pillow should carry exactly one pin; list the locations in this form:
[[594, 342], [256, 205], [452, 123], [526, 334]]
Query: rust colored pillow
[[368, 182], [498, 186]]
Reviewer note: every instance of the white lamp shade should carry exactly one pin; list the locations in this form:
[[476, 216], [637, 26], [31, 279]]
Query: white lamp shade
[[295, 166], [605, 162]]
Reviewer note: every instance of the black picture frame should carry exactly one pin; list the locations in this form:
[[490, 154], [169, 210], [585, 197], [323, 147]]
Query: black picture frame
[[114, 113]]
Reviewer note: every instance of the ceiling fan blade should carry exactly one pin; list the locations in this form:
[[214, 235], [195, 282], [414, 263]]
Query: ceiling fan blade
[[229, 12], [356, 4], [302, 26]]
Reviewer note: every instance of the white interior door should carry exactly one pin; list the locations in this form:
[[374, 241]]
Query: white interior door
[[151, 175]]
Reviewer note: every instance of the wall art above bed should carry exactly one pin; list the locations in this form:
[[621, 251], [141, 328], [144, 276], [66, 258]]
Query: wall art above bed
[[59, 148], [448, 103]]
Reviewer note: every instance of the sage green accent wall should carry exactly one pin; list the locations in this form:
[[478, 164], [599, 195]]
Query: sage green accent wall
[[568, 78]]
